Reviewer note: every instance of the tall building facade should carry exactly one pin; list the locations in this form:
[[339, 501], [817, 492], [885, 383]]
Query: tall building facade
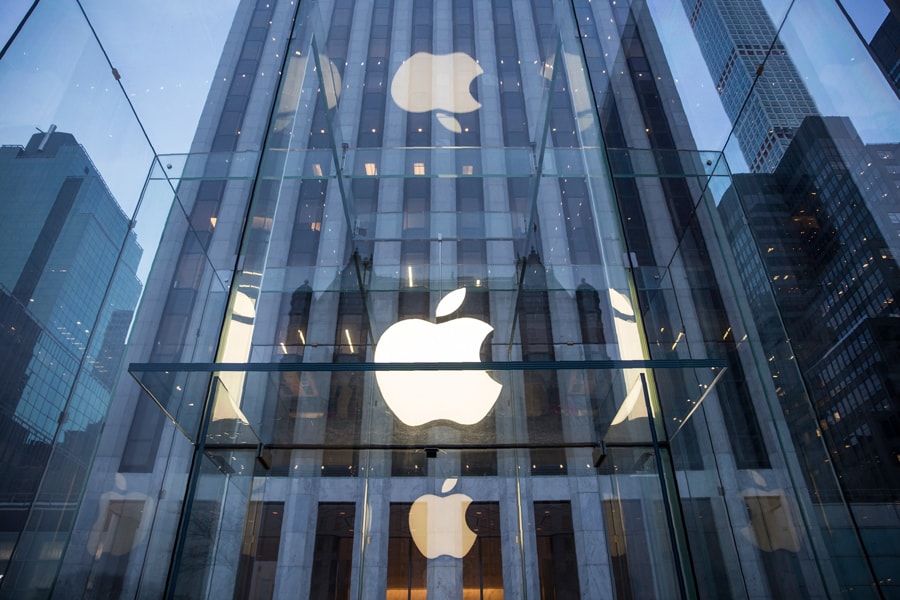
[[816, 251], [760, 88], [805, 236], [68, 291], [885, 46], [443, 306], [825, 230]]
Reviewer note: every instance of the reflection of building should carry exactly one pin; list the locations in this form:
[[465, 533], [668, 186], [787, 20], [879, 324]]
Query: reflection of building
[[61, 239], [637, 448], [825, 225], [765, 103], [885, 46], [819, 264]]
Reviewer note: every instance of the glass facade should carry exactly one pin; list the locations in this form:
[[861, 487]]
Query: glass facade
[[420, 298]]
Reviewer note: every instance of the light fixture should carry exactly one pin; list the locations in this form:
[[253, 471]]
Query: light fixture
[[349, 341]]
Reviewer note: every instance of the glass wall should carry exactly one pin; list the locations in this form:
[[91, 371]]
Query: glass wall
[[81, 227], [420, 298]]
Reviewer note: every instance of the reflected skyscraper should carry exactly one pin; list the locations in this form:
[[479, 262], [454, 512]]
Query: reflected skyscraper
[[816, 251], [816, 247], [885, 45], [761, 90], [68, 291]]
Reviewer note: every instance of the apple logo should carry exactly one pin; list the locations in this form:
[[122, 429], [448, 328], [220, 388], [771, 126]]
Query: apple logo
[[771, 525], [417, 397], [123, 520], [438, 524], [438, 82]]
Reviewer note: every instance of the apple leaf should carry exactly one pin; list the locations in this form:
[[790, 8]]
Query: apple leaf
[[449, 122], [450, 302], [449, 484]]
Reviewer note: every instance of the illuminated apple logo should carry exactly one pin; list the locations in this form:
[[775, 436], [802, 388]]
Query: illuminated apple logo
[[438, 82], [417, 397], [438, 524]]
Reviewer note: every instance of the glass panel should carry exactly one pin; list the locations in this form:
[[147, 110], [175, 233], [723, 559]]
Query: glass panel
[[147, 44], [126, 527], [315, 405], [69, 281], [211, 542], [811, 236], [441, 299]]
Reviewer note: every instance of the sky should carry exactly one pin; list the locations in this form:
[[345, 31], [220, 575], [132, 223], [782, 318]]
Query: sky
[[148, 42], [10, 16], [867, 14]]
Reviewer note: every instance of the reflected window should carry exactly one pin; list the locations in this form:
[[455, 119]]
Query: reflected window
[[415, 209], [406, 570], [702, 526], [333, 556], [199, 542], [295, 327], [542, 401], [629, 555], [259, 550], [307, 223], [589, 314], [483, 565], [773, 533], [347, 388], [556, 556], [413, 303]]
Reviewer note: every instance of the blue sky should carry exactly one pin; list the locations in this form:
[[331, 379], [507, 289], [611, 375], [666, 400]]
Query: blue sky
[[150, 42], [10, 16], [867, 14]]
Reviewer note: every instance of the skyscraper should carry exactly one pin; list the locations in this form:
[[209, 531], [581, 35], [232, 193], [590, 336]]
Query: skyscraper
[[826, 285], [761, 90], [68, 290], [443, 307], [386, 193], [885, 46], [814, 247]]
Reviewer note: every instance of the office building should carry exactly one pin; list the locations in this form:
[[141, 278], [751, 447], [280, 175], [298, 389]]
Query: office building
[[68, 291], [444, 307], [885, 46], [802, 232], [761, 90], [816, 241]]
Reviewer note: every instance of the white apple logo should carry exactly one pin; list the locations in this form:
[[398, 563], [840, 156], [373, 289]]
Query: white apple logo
[[438, 82], [438, 524], [123, 521], [417, 397]]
